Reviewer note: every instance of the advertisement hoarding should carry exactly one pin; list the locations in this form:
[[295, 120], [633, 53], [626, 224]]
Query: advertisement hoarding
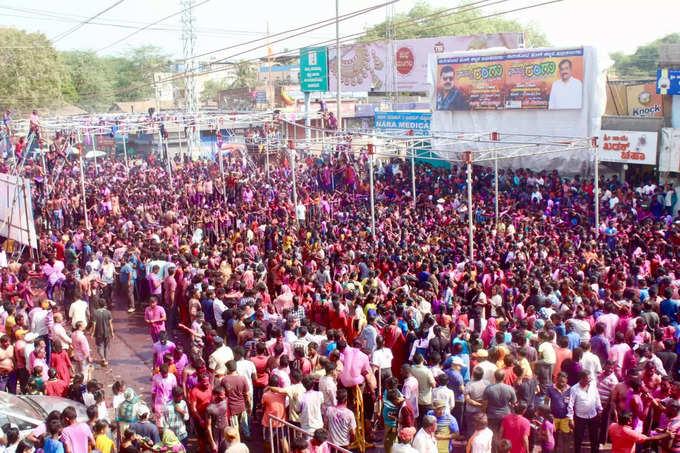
[[314, 69], [365, 65], [628, 147], [544, 79], [668, 81], [417, 122], [643, 101]]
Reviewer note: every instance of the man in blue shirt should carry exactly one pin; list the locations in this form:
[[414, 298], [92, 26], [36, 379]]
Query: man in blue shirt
[[128, 277], [558, 395], [669, 307], [449, 98]]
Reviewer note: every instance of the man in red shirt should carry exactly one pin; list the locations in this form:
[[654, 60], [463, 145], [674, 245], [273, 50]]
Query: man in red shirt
[[624, 437], [54, 386], [260, 361], [199, 399], [238, 399], [516, 428], [274, 404]]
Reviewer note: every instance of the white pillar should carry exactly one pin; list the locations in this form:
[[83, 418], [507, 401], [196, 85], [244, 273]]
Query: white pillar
[[308, 120]]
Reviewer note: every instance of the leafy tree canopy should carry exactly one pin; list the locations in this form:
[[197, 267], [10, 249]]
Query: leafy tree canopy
[[465, 21], [32, 73], [644, 61]]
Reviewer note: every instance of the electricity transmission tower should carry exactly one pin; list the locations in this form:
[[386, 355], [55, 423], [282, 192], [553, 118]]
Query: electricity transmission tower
[[190, 93]]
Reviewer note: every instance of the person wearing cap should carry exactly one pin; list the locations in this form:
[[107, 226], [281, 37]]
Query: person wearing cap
[[447, 426], [143, 426]]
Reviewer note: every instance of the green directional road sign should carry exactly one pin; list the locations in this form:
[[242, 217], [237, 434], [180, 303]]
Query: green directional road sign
[[314, 69]]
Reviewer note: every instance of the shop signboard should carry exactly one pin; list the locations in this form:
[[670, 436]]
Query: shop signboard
[[531, 79], [313, 69], [418, 122], [629, 147]]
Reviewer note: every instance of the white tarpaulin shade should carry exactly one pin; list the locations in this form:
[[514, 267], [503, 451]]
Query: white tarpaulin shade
[[16, 210]]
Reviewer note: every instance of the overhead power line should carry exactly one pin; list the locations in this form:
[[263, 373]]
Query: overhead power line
[[150, 25], [85, 22], [344, 40]]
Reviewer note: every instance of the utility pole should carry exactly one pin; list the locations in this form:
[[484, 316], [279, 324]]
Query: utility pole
[[338, 62]]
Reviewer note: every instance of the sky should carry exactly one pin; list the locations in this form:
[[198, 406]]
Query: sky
[[610, 25]]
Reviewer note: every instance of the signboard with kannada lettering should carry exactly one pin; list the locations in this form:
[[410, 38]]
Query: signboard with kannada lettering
[[314, 69], [628, 147]]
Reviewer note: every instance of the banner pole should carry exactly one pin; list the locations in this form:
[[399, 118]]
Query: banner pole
[[413, 174], [495, 177], [370, 174], [597, 186], [469, 200]]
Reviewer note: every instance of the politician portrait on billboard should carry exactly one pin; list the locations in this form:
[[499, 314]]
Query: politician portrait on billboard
[[567, 91]]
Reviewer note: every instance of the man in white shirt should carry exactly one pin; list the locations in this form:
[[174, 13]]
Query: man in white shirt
[[424, 440], [567, 92], [300, 212], [79, 311], [309, 406], [589, 361], [584, 410]]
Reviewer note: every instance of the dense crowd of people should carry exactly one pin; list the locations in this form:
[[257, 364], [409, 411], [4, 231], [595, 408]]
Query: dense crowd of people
[[264, 315]]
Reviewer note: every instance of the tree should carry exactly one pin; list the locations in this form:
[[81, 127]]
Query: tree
[[645, 60], [246, 75], [211, 89], [91, 78], [462, 22], [133, 72], [32, 74]]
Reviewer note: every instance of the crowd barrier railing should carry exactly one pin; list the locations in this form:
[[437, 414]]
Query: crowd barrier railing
[[279, 438]]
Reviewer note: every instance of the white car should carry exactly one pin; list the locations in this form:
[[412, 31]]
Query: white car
[[29, 411]]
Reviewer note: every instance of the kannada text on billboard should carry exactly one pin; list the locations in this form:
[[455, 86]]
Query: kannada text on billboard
[[544, 79]]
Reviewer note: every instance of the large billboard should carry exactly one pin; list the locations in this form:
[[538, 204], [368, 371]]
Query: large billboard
[[543, 79], [367, 66]]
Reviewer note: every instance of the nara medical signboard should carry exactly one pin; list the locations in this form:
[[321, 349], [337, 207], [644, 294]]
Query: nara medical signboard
[[628, 147]]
